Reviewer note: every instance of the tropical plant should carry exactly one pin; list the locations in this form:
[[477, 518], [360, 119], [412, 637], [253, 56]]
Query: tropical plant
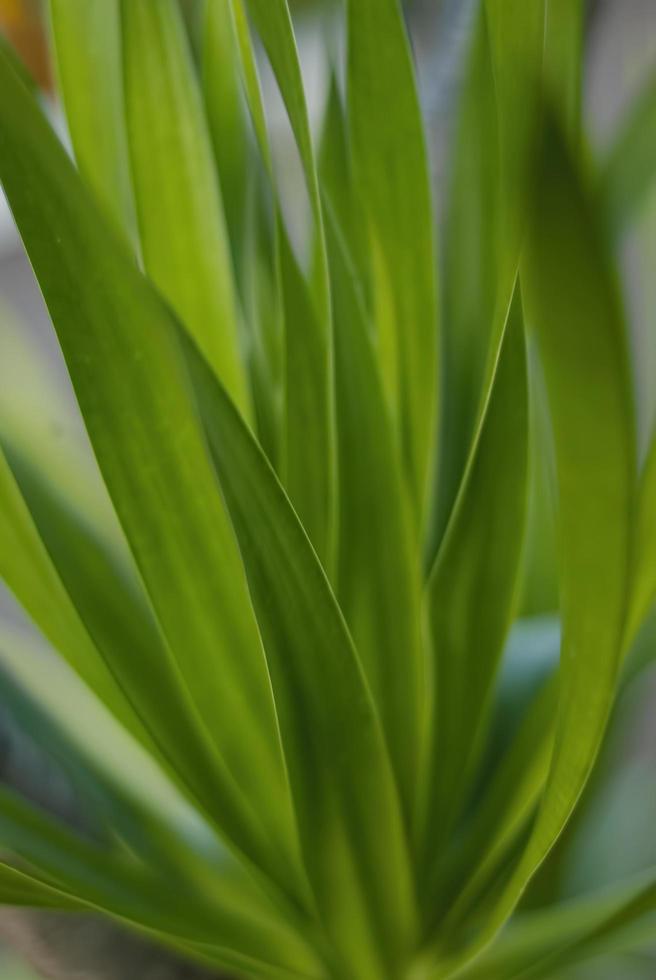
[[321, 492]]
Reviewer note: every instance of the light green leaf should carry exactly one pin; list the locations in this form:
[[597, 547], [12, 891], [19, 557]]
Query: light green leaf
[[380, 597], [308, 462], [179, 209], [226, 113], [18, 888], [111, 882], [470, 283], [308, 364], [338, 184], [392, 177], [121, 349], [563, 59], [644, 571], [630, 164], [27, 570], [472, 588], [542, 944], [516, 32], [578, 318], [349, 818], [86, 37]]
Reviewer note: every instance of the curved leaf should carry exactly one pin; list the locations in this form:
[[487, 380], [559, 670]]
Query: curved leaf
[[86, 38], [121, 349], [349, 818], [380, 596], [180, 213], [385, 124], [472, 588], [578, 319]]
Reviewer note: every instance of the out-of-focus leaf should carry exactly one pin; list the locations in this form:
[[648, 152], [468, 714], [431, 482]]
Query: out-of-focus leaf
[[308, 435], [86, 37], [127, 795], [120, 344], [644, 571], [469, 292], [630, 165], [111, 882], [380, 598], [308, 364], [179, 209], [578, 318], [472, 588], [503, 812], [337, 185], [263, 315], [26, 568], [563, 58], [273, 23], [18, 64], [543, 943], [348, 812], [226, 113], [18, 888], [392, 179]]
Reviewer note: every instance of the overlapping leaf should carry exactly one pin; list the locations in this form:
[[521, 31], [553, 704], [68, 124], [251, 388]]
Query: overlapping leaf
[[123, 357], [392, 180], [349, 818], [579, 323]]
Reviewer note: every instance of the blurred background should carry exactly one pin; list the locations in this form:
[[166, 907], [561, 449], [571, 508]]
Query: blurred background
[[614, 835]]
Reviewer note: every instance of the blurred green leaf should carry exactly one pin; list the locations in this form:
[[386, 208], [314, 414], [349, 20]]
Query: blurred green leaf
[[577, 311], [86, 41], [348, 813], [392, 181], [630, 165], [472, 590], [381, 599], [179, 208], [121, 349]]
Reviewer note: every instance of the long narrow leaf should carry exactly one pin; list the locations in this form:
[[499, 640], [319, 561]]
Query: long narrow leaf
[[121, 349], [348, 812], [473, 584], [87, 47], [381, 598], [393, 181], [180, 213], [578, 318]]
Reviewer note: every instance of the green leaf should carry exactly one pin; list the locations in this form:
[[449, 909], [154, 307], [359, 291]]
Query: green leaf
[[472, 588], [380, 597], [86, 36], [111, 882], [119, 788], [644, 570], [226, 113], [349, 818], [120, 345], [18, 888], [630, 164], [27, 570], [338, 184], [180, 213], [470, 281], [392, 177], [542, 944], [516, 32], [578, 319], [308, 467], [563, 59], [273, 23], [308, 363]]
